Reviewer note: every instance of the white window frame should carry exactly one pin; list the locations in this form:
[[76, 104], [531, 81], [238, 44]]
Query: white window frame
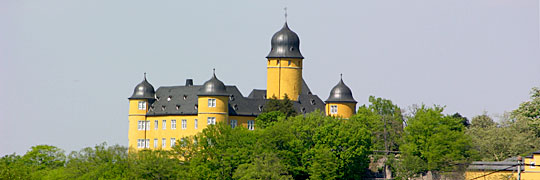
[[184, 123], [164, 142], [333, 109], [196, 123], [138, 143], [147, 143], [164, 124], [155, 142], [251, 124], [173, 142], [156, 124], [533, 164], [142, 105], [234, 123], [139, 125], [147, 125], [211, 102], [173, 124], [211, 120]]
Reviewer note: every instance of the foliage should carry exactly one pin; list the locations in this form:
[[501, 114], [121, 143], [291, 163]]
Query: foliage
[[264, 166], [269, 118], [498, 141], [385, 121], [284, 105], [434, 142], [529, 111]]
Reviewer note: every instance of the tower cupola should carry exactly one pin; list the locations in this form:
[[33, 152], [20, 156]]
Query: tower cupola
[[285, 44], [341, 93], [213, 87], [143, 90]]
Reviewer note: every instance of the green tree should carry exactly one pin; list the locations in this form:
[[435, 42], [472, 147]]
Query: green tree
[[529, 111], [264, 166], [45, 156], [498, 141], [434, 142], [284, 105]]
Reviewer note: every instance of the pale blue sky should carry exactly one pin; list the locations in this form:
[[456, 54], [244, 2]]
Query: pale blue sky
[[67, 67]]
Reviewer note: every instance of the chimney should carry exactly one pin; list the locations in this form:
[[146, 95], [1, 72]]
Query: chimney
[[189, 82]]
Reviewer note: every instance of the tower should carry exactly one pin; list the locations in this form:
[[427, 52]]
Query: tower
[[284, 66], [213, 102], [340, 103], [143, 96]]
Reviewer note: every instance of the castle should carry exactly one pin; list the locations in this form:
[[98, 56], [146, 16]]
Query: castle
[[157, 119]]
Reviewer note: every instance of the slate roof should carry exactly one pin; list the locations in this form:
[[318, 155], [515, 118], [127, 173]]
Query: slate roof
[[509, 164], [183, 100], [285, 44]]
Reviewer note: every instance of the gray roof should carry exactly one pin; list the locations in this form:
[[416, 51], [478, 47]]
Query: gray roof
[[213, 87], [183, 100], [506, 165], [341, 93], [143, 90], [285, 44]]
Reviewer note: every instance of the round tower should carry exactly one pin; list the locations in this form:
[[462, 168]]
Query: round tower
[[213, 101], [143, 95], [340, 103], [284, 66]]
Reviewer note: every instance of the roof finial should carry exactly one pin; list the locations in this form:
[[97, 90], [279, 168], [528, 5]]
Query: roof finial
[[341, 76], [285, 9], [145, 75], [214, 69]]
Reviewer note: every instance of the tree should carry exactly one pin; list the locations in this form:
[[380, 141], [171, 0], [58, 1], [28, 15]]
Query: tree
[[498, 141], [285, 106], [45, 156], [529, 111], [434, 142], [264, 166]]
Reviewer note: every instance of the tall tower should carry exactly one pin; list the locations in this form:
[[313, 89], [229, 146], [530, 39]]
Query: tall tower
[[213, 101], [340, 103], [143, 96], [284, 66]]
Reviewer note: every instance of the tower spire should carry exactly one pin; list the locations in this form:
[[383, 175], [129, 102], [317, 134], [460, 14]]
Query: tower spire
[[285, 9], [144, 75]]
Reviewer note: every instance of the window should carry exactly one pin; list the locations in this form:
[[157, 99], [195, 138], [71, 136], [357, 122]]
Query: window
[[155, 143], [333, 109], [184, 124], [143, 125], [142, 105], [147, 125], [533, 164], [233, 123], [251, 124], [139, 143], [211, 120], [169, 98], [140, 125], [156, 124], [164, 124], [211, 102], [163, 143], [173, 141], [147, 144], [173, 124], [196, 123]]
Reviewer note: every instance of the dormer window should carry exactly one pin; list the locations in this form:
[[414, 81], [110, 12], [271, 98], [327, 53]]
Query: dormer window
[[312, 101], [303, 110], [157, 98], [260, 107], [169, 98], [185, 97], [163, 108], [177, 106], [196, 107], [235, 107], [142, 105], [231, 97]]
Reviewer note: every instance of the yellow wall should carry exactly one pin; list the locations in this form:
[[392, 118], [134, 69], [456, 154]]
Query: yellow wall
[[527, 174], [221, 111], [284, 78], [168, 132], [345, 110], [134, 116], [241, 120]]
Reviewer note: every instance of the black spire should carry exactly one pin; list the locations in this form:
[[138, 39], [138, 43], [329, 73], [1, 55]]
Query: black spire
[[285, 44], [143, 90], [341, 93]]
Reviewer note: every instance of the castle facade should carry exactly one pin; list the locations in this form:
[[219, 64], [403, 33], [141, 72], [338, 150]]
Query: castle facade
[[158, 118]]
